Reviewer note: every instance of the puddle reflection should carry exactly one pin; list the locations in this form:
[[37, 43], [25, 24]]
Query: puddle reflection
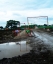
[[12, 49]]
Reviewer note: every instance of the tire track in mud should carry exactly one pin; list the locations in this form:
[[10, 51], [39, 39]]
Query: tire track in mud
[[41, 43]]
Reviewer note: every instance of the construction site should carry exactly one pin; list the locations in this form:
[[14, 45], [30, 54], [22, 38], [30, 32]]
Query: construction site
[[26, 44]]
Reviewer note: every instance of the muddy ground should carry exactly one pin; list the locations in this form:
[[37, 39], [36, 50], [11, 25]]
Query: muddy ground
[[41, 52], [30, 58]]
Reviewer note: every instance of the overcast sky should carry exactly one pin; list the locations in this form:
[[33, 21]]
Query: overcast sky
[[21, 9]]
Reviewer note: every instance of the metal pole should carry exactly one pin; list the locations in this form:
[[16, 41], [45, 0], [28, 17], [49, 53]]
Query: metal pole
[[28, 22], [47, 21], [37, 17]]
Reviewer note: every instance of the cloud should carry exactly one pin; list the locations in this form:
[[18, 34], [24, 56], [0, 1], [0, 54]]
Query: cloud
[[23, 4], [39, 12], [21, 9], [21, 15]]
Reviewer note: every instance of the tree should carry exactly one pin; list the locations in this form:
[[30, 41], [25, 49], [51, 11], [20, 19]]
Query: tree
[[1, 27], [12, 23], [45, 24]]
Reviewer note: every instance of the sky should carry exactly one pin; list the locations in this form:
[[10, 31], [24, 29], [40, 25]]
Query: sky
[[19, 10]]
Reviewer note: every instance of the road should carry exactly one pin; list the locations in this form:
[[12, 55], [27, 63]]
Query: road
[[47, 38]]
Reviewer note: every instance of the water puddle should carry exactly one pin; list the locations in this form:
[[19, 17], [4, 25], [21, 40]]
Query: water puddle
[[11, 49]]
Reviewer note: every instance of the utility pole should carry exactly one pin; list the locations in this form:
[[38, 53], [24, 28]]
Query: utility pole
[[47, 21]]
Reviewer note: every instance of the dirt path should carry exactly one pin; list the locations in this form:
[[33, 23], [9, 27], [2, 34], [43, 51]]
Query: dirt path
[[48, 39]]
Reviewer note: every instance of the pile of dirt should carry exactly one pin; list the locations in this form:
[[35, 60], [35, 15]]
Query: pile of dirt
[[21, 35]]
